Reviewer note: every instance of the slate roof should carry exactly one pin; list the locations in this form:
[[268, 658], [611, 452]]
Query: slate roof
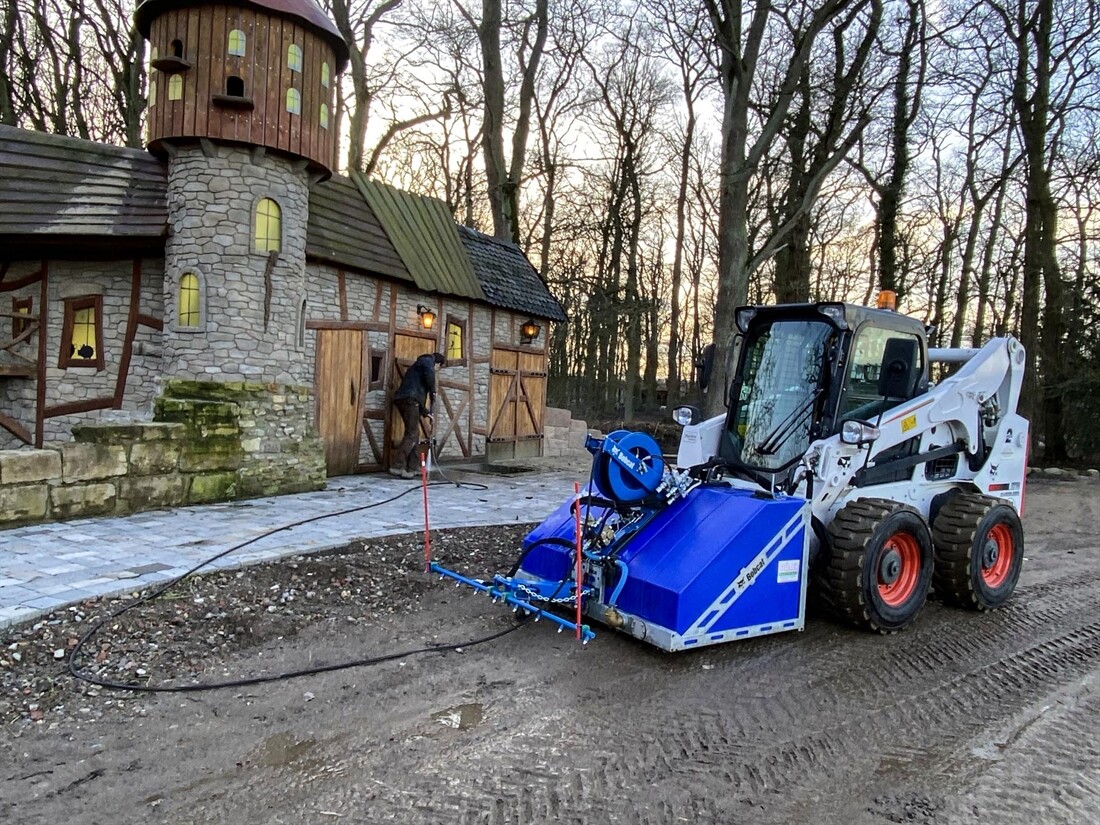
[[53, 186], [507, 276], [344, 231], [424, 234]]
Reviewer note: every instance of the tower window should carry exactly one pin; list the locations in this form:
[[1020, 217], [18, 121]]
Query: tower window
[[294, 57], [152, 93], [324, 75], [236, 43], [269, 226], [294, 101], [234, 86], [82, 333], [175, 87], [190, 294], [324, 116], [153, 55], [177, 48]]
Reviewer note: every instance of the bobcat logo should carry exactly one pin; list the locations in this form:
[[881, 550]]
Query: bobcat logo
[[992, 471]]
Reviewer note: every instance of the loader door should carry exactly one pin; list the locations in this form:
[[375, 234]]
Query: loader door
[[884, 370]]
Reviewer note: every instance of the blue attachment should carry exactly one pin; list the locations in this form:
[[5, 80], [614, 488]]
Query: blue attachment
[[627, 466], [498, 591], [719, 564], [624, 574]]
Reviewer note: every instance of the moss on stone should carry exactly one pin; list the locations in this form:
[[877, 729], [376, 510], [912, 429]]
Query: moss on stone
[[208, 487]]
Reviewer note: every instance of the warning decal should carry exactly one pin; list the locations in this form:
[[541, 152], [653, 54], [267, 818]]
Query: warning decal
[[788, 571]]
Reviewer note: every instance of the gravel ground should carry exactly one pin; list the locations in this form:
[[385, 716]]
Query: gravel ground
[[192, 632]]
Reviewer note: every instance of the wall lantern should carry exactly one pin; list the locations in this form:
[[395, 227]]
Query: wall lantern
[[529, 330], [427, 317]]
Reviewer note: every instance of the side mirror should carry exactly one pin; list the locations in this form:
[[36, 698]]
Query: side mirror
[[686, 415], [854, 431]]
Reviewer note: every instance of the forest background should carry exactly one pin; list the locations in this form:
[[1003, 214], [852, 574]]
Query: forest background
[[664, 161]]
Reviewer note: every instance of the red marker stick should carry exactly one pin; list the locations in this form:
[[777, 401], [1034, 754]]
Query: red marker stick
[[427, 530], [577, 491]]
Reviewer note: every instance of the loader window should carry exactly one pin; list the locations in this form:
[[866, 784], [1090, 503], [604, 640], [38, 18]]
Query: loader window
[[861, 397], [778, 393]]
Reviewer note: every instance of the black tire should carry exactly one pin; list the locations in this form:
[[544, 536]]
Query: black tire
[[877, 571], [979, 551]]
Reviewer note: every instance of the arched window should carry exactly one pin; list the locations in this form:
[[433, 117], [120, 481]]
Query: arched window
[[269, 226], [175, 87], [190, 301], [152, 93], [177, 48], [324, 75], [234, 86], [153, 55], [294, 101], [324, 116], [236, 43], [294, 57]]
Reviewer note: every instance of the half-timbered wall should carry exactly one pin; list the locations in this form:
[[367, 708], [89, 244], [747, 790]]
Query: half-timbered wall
[[48, 404], [208, 104]]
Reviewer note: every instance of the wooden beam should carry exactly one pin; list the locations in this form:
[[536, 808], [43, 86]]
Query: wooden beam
[[15, 428], [43, 327], [151, 322], [321, 323], [131, 333], [26, 280], [74, 407], [342, 286]]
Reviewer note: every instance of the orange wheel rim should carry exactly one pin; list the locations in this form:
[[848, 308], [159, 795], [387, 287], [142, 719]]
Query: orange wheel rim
[[898, 569], [997, 555]]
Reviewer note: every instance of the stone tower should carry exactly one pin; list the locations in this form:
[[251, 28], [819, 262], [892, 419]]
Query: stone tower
[[240, 103]]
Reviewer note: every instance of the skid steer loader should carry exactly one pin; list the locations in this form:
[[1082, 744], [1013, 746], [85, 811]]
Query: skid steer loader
[[839, 470]]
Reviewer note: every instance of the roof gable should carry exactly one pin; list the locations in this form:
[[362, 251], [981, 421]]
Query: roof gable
[[507, 276]]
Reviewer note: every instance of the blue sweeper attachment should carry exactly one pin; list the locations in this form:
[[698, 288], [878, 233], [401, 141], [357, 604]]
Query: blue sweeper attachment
[[667, 558]]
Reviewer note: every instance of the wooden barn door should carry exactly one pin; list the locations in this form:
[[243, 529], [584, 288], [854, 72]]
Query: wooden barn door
[[337, 383], [406, 349], [517, 402]]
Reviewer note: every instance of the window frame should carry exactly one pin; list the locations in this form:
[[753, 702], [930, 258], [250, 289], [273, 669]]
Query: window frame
[[175, 82], [243, 45], [454, 320], [324, 116], [326, 75], [255, 226], [201, 301], [846, 389], [294, 95], [67, 360], [294, 55], [19, 325]]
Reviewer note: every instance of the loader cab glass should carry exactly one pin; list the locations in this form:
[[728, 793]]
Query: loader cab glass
[[885, 369], [778, 392]]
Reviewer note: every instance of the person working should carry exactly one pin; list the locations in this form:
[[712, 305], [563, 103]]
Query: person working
[[417, 389]]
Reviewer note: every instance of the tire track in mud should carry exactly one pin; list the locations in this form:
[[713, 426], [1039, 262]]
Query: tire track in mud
[[746, 750]]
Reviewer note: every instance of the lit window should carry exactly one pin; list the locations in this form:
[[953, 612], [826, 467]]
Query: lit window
[[153, 55], [324, 75], [236, 43], [294, 57], [175, 87], [82, 332], [152, 93], [324, 116], [456, 341], [294, 101], [269, 226], [189, 300], [20, 306]]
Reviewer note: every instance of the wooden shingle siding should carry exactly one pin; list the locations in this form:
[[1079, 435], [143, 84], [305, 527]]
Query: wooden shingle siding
[[54, 185]]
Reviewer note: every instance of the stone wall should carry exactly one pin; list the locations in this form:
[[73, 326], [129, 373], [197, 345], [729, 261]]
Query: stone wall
[[563, 436], [212, 199], [215, 442]]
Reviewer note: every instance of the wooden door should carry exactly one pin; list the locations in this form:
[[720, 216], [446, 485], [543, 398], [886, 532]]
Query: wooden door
[[406, 349], [517, 402], [337, 382]]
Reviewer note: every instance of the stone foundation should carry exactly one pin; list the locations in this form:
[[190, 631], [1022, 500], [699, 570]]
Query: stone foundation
[[563, 436], [211, 442]]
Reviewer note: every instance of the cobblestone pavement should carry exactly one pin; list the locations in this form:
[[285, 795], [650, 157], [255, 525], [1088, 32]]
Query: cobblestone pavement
[[45, 566]]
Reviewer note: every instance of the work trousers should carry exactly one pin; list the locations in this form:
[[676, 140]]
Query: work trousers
[[406, 452]]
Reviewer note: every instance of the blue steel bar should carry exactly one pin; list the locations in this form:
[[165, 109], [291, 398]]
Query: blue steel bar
[[587, 634]]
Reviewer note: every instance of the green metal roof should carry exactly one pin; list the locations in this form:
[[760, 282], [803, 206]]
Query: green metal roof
[[424, 234]]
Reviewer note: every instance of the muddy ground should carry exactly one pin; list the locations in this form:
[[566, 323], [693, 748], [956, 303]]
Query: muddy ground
[[964, 718]]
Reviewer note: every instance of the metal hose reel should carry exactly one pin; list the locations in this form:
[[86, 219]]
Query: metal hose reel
[[627, 466]]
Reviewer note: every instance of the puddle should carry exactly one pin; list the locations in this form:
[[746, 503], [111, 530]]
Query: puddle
[[282, 749], [460, 717]]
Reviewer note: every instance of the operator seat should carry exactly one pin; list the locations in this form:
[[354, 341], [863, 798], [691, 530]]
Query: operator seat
[[900, 378]]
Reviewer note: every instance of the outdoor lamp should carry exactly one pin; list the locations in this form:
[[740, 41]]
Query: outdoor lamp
[[427, 317], [529, 330]]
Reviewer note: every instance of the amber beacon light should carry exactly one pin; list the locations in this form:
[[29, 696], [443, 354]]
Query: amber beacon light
[[887, 299]]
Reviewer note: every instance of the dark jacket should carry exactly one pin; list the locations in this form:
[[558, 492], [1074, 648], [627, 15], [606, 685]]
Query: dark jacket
[[419, 382]]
